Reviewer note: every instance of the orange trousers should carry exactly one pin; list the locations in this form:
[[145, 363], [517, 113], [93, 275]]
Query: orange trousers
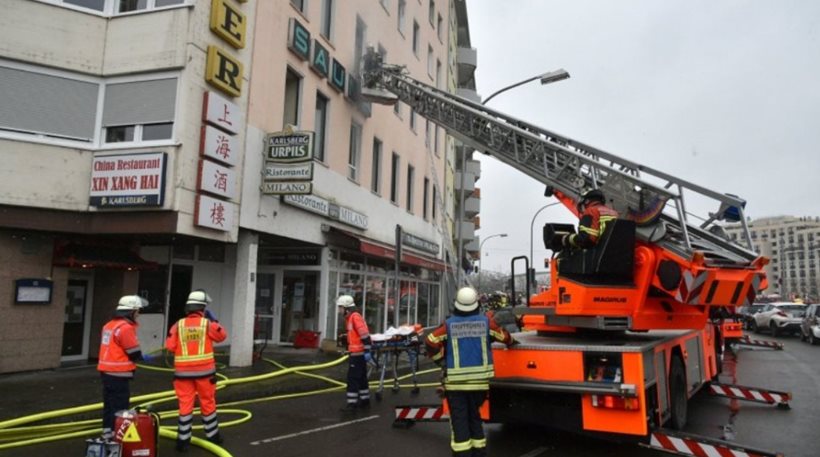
[[188, 389]]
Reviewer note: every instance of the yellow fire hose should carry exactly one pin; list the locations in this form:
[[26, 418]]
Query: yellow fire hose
[[15, 433]]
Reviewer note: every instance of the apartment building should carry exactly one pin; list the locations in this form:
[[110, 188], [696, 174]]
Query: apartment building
[[793, 245], [136, 143]]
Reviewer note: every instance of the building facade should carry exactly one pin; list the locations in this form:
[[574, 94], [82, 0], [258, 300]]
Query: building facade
[[137, 158], [793, 245]]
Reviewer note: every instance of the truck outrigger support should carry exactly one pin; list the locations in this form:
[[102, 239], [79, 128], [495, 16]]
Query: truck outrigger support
[[679, 443], [407, 416], [755, 394]]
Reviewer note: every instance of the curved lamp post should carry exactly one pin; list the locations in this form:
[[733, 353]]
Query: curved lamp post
[[480, 245]]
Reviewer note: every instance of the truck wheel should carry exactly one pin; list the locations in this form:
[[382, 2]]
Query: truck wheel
[[677, 394], [773, 328]]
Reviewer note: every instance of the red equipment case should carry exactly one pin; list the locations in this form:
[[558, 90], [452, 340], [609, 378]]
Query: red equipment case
[[138, 432]]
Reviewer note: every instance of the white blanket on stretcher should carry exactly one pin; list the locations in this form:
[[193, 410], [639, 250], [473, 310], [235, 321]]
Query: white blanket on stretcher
[[403, 330]]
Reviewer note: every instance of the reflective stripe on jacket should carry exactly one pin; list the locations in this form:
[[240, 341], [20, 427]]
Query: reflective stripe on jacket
[[119, 339], [356, 331], [592, 225], [191, 339]]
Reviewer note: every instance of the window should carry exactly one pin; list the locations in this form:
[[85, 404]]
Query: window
[[376, 173], [97, 5], [430, 62], [394, 179], [427, 132], [50, 105], [385, 5], [416, 38], [411, 175], [400, 15], [435, 139], [412, 119], [397, 109], [125, 6], [431, 13], [320, 127], [293, 86], [440, 28], [298, 4], [139, 110], [327, 18], [355, 151], [425, 195], [358, 50], [433, 202], [438, 74]]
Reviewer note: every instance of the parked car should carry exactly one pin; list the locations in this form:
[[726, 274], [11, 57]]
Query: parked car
[[779, 318], [810, 326], [745, 314]]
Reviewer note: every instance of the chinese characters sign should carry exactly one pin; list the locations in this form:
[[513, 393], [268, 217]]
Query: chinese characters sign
[[216, 179], [220, 146], [218, 111], [128, 180], [215, 214]]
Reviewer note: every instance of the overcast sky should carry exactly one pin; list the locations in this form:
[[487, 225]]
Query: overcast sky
[[725, 94]]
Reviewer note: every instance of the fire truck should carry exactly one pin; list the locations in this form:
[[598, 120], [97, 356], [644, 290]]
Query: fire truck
[[629, 330]]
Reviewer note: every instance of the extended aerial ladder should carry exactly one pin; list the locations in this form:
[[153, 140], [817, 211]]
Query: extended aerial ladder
[[684, 267]]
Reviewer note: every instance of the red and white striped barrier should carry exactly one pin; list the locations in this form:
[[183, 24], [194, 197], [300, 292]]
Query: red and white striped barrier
[[746, 341], [771, 397], [421, 413], [685, 444]]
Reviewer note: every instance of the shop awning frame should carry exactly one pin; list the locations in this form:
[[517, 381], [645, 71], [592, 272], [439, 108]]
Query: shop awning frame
[[377, 249]]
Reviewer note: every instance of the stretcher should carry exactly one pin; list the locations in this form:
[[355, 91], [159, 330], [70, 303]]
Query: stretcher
[[387, 349]]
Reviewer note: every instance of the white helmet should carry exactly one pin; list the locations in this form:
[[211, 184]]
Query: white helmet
[[131, 303], [466, 299], [345, 301], [198, 297]]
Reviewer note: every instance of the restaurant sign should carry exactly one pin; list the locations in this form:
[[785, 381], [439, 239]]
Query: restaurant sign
[[121, 180]]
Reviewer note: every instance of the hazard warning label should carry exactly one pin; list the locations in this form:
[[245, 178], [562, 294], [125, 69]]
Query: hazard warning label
[[131, 435]]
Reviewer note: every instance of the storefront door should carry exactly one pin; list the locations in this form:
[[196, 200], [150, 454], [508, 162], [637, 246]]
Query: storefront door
[[265, 288], [77, 321], [299, 307]]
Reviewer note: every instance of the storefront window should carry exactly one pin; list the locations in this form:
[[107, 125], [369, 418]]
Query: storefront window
[[436, 312], [423, 304], [332, 312], [376, 298], [381, 266], [152, 288]]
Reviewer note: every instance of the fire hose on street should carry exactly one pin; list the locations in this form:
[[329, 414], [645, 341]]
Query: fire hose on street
[[18, 432]]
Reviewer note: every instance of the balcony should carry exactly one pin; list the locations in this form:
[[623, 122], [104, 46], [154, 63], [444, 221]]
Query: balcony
[[467, 230], [472, 206], [469, 183], [472, 246], [469, 94], [474, 167]]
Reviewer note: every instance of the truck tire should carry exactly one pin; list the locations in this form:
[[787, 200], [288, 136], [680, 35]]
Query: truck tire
[[678, 406]]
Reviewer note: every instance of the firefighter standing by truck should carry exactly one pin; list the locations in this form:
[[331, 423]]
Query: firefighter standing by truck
[[594, 216], [119, 352], [191, 340], [358, 346], [464, 343]]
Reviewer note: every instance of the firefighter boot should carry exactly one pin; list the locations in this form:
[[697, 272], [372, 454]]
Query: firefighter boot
[[183, 445], [216, 439]]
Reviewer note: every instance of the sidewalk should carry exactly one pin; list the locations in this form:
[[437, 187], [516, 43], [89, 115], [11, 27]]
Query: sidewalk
[[35, 392]]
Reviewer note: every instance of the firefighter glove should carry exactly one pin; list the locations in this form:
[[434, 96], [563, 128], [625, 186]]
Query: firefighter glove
[[368, 357], [210, 316]]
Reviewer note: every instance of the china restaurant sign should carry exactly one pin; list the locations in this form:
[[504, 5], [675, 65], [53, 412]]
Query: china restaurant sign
[[128, 180]]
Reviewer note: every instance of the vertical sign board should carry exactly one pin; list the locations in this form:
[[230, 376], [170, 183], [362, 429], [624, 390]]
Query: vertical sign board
[[289, 158], [216, 179], [214, 214], [224, 71], [228, 22], [221, 112], [218, 145], [128, 180]]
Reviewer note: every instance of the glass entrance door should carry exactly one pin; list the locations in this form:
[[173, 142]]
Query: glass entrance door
[[300, 304], [265, 287]]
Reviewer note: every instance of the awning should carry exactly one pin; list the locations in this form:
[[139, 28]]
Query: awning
[[78, 255], [376, 249]]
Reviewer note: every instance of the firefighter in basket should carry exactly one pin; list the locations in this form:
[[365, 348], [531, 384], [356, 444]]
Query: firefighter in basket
[[463, 344]]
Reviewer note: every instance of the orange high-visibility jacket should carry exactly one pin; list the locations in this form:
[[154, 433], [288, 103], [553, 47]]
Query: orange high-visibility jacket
[[356, 332], [191, 340], [592, 225], [119, 340]]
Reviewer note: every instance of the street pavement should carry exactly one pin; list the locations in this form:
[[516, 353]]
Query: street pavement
[[314, 426]]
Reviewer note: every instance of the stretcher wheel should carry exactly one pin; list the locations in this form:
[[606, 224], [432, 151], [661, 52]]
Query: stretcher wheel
[[395, 389], [378, 396]]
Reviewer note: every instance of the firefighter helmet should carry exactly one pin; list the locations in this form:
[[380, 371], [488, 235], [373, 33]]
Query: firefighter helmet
[[131, 303], [589, 196], [466, 300], [197, 300], [345, 301]]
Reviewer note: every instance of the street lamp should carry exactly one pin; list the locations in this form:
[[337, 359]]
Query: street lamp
[[532, 225], [545, 78], [480, 245]]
